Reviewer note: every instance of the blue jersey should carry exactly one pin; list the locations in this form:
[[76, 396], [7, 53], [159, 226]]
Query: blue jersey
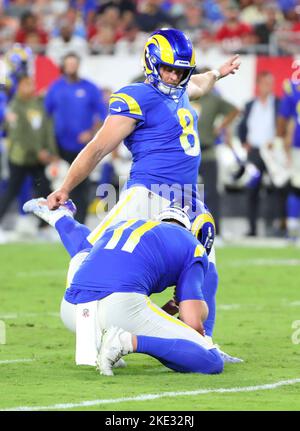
[[165, 143], [74, 106], [144, 257], [290, 108]]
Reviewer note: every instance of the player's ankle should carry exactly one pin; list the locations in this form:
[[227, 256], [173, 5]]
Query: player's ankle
[[134, 343]]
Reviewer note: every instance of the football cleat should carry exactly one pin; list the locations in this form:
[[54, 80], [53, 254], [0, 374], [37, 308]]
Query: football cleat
[[120, 364], [40, 209], [115, 343], [227, 358]]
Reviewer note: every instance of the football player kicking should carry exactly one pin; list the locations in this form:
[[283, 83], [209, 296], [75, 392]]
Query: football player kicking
[[109, 286], [159, 126]]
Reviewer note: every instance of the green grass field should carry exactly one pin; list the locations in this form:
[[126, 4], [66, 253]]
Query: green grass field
[[258, 301]]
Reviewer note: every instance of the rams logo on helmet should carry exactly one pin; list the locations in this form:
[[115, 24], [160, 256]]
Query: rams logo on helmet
[[204, 229]]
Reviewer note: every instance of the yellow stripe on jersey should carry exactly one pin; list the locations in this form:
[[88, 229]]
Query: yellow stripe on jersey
[[134, 107], [287, 86], [99, 230], [166, 51], [135, 237], [118, 233], [199, 251], [166, 316]]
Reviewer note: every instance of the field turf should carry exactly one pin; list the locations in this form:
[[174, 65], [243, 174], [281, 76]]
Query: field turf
[[258, 303]]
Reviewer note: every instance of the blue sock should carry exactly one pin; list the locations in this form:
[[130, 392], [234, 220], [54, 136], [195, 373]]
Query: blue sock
[[293, 206], [181, 355], [73, 235], [209, 290]]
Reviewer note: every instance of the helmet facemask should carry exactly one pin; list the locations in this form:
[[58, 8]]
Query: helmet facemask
[[169, 89]]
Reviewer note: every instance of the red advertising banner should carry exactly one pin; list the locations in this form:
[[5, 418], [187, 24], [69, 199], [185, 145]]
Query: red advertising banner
[[280, 67], [45, 73]]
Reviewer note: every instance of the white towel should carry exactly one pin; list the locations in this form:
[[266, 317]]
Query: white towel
[[87, 333]]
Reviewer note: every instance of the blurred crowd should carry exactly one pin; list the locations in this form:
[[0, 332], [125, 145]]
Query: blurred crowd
[[114, 26]]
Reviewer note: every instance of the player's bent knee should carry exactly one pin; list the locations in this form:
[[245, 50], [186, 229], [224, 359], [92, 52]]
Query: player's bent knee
[[68, 315], [217, 365], [212, 363], [74, 265]]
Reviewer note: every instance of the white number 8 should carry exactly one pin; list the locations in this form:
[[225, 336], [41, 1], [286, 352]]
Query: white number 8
[[187, 123]]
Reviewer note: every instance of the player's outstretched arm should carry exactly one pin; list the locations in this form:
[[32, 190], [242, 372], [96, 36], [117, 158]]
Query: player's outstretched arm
[[202, 83], [114, 130]]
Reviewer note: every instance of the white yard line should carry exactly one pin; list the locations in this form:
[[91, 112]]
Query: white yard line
[[14, 361], [12, 315], [234, 263], [220, 307], [147, 397], [22, 315], [294, 304], [264, 262], [228, 307]]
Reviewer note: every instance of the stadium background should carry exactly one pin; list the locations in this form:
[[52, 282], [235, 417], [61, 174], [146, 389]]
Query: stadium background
[[258, 302]]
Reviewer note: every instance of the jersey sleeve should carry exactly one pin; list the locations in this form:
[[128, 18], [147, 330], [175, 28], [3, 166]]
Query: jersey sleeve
[[127, 102], [190, 283]]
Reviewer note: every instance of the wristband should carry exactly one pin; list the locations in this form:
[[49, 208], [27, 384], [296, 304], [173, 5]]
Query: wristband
[[216, 74]]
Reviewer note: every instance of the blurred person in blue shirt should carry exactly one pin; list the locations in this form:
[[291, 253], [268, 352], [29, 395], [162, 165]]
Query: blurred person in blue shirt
[[87, 8], [77, 108]]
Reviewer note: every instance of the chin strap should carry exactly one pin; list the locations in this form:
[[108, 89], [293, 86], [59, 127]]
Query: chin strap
[[168, 90]]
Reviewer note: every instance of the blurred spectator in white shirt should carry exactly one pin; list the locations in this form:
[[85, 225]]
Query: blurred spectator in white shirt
[[192, 20], [66, 42], [254, 12], [132, 42], [234, 34], [106, 31], [8, 26]]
